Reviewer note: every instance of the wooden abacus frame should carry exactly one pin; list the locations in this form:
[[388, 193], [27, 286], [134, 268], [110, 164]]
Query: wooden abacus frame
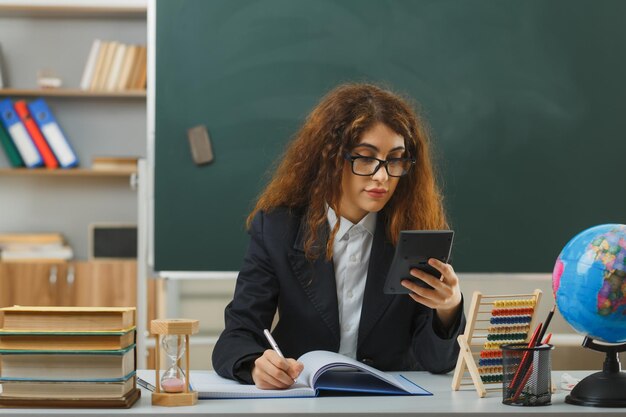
[[478, 336]]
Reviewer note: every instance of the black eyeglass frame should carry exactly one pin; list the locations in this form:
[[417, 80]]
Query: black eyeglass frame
[[381, 162]]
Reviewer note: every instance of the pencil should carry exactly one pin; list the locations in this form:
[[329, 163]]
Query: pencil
[[530, 370], [524, 363], [547, 339], [523, 383], [546, 324]]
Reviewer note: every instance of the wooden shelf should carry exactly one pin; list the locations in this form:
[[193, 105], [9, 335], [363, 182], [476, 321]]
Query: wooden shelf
[[70, 92], [36, 10], [71, 172]]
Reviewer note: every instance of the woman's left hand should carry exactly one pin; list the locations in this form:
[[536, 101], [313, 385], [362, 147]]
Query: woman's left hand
[[445, 295]]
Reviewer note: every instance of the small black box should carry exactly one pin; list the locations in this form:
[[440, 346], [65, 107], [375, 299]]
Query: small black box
[[117, 241]]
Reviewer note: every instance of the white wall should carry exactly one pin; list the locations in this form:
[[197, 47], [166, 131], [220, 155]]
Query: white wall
[[205, 301]]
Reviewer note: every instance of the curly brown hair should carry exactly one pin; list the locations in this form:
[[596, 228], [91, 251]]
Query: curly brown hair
[[310, 172]]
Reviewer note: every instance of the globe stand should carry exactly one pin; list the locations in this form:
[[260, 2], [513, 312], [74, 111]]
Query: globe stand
[[602, 389]]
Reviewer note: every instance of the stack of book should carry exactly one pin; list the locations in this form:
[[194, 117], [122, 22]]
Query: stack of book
[[125, 164], [34, 247], [114, 66], [31, 136], [68, 356]]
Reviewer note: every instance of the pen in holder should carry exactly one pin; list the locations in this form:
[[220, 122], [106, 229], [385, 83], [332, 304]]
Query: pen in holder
[[526, 374]]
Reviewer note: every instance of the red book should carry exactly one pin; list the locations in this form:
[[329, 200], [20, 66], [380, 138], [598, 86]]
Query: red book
[[33, 130]]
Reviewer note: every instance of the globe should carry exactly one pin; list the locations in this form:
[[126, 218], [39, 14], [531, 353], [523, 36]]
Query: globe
[[589, 282]]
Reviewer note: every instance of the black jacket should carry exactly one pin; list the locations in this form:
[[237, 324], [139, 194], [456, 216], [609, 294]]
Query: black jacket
[[395, 332]]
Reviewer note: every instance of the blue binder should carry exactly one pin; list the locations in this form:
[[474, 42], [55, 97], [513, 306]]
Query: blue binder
[[19, 135], [57, 140]]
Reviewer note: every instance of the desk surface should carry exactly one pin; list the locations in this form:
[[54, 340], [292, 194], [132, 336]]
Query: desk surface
[[444, 402]]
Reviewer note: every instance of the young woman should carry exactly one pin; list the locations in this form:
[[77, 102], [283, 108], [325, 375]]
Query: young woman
[[322, 240]]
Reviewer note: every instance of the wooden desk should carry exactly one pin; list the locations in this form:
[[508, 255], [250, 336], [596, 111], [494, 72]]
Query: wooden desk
[[443, 403]]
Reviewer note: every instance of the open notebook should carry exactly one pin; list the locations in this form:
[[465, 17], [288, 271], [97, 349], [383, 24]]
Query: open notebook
[[324, 372]]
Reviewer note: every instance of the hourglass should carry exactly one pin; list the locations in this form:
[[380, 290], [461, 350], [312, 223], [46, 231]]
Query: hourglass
[[172, 335]]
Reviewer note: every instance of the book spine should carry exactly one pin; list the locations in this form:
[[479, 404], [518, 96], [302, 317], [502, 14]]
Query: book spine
[[22, 140], [99, 64], [107, 61], [90, 66], [116, 67], [142, 73], [32, 238], [2, 80], [68, 366], [9, 148], [52, 132], [42, 146], [63, 253], [126, 68], [135, 74]]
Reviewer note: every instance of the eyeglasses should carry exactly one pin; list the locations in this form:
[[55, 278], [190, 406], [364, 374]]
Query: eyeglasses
[[367, 165]]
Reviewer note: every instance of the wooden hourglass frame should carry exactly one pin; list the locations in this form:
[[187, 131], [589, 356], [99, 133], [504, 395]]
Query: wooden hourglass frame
[[179, 328]]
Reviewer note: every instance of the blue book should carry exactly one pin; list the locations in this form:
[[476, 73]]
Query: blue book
[[19, 135], [55, 137], [325, 373]]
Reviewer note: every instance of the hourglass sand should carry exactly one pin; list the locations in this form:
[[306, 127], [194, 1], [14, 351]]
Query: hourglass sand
[[173, 387], [172, 380]]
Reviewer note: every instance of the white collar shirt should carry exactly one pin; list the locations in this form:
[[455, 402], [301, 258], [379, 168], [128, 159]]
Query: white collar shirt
[[351, 253]]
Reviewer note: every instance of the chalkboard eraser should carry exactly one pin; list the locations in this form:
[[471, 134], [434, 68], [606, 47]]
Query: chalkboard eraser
[[200, 145]]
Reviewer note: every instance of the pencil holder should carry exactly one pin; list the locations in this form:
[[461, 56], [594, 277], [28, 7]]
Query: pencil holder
[[526, 374]]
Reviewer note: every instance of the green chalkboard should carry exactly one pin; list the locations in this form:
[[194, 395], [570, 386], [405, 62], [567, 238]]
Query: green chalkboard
[[525, 100]]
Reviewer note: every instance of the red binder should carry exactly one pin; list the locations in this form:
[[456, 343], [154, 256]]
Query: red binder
[[33, 130]]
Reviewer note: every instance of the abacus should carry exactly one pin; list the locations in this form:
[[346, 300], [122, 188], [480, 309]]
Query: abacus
[[493, 320]]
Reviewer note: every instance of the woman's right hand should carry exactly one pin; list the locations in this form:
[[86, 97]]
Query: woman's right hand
[[270, 371]]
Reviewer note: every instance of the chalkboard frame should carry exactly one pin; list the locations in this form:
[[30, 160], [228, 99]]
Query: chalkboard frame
[[516, 165]]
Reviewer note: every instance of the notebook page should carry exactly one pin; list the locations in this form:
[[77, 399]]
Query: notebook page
[[212, 386], [318, 361]]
